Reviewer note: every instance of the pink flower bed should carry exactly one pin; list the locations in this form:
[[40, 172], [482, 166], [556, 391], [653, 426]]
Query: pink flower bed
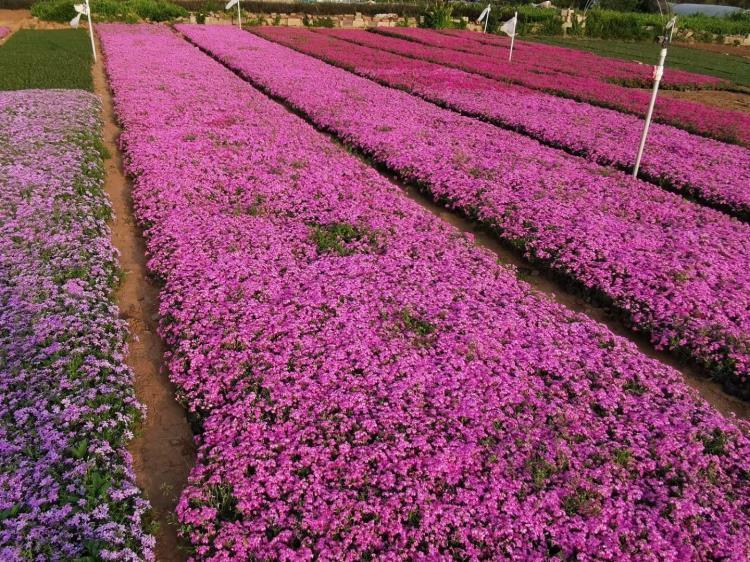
[[715, 173], [553, 59], [4, 31], [676, 270], [732, 126], [372, 386]]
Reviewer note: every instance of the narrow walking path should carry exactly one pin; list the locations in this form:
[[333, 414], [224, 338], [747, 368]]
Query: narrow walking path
[[163, 450]]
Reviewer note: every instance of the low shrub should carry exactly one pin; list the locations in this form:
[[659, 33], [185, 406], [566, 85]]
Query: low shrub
[[610, 24], [619, 25], [157, 10], [111, 10], [438, 16]]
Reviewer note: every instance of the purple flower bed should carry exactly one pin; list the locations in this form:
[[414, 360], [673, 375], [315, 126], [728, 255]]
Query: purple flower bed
[[554, 60], [676, 270], [372, 386], [715, 173], [4, 31], [67, 402], [731, 126]]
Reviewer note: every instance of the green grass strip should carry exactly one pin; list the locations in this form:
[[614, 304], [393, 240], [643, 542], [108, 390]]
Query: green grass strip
[[46, 59], [729, 67]]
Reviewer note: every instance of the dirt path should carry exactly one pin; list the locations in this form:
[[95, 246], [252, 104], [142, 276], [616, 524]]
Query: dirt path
[[163, 450], [14, 18], [717, 48], [734, 101], [22, 19]]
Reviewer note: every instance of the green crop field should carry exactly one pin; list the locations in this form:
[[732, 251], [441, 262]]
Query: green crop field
[[729, 67], [46, 59]]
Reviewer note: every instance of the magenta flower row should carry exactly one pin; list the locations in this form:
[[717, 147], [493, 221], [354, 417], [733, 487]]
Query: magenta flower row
[[555, 60], [731, 126], [67, 402], [4, 31], [369, 384], [710, 171], [676, 270]]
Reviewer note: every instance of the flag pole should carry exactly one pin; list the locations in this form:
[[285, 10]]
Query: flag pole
[[658, 73], [91, 29], [485, 15], [513, 37]]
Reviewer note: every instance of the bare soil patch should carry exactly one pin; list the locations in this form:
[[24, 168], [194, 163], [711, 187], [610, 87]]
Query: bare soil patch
[[734, 101], [22, 19], [717, 48], [163, 450]]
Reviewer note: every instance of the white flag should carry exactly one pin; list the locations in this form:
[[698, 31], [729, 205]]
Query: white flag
[[230, 4], [82, 11], [484, 14], [509, 27]]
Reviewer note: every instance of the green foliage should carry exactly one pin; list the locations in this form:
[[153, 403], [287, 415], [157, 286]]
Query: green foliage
[[728, 67], [311, 8], [612, 24], [156, 10], [46, 59], [62, 10], [614, 19], [617, 25], [438, 16], [338, 238], [624, 5], [582, 502], [737, 24], [203, 10], [129, 11], [715, 444], [531, 20], [324, 21], [414, 323], [540, 470]]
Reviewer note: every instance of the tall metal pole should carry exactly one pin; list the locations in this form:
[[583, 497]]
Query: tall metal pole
[[91, 29], [487, 18], [239, 15], [658, 73], [513, 37]]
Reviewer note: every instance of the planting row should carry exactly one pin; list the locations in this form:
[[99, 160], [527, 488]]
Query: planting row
[[676, 270], [370, 384], [67, 403], [554, 60], [59, 58], [731, 126], [716, 173]]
